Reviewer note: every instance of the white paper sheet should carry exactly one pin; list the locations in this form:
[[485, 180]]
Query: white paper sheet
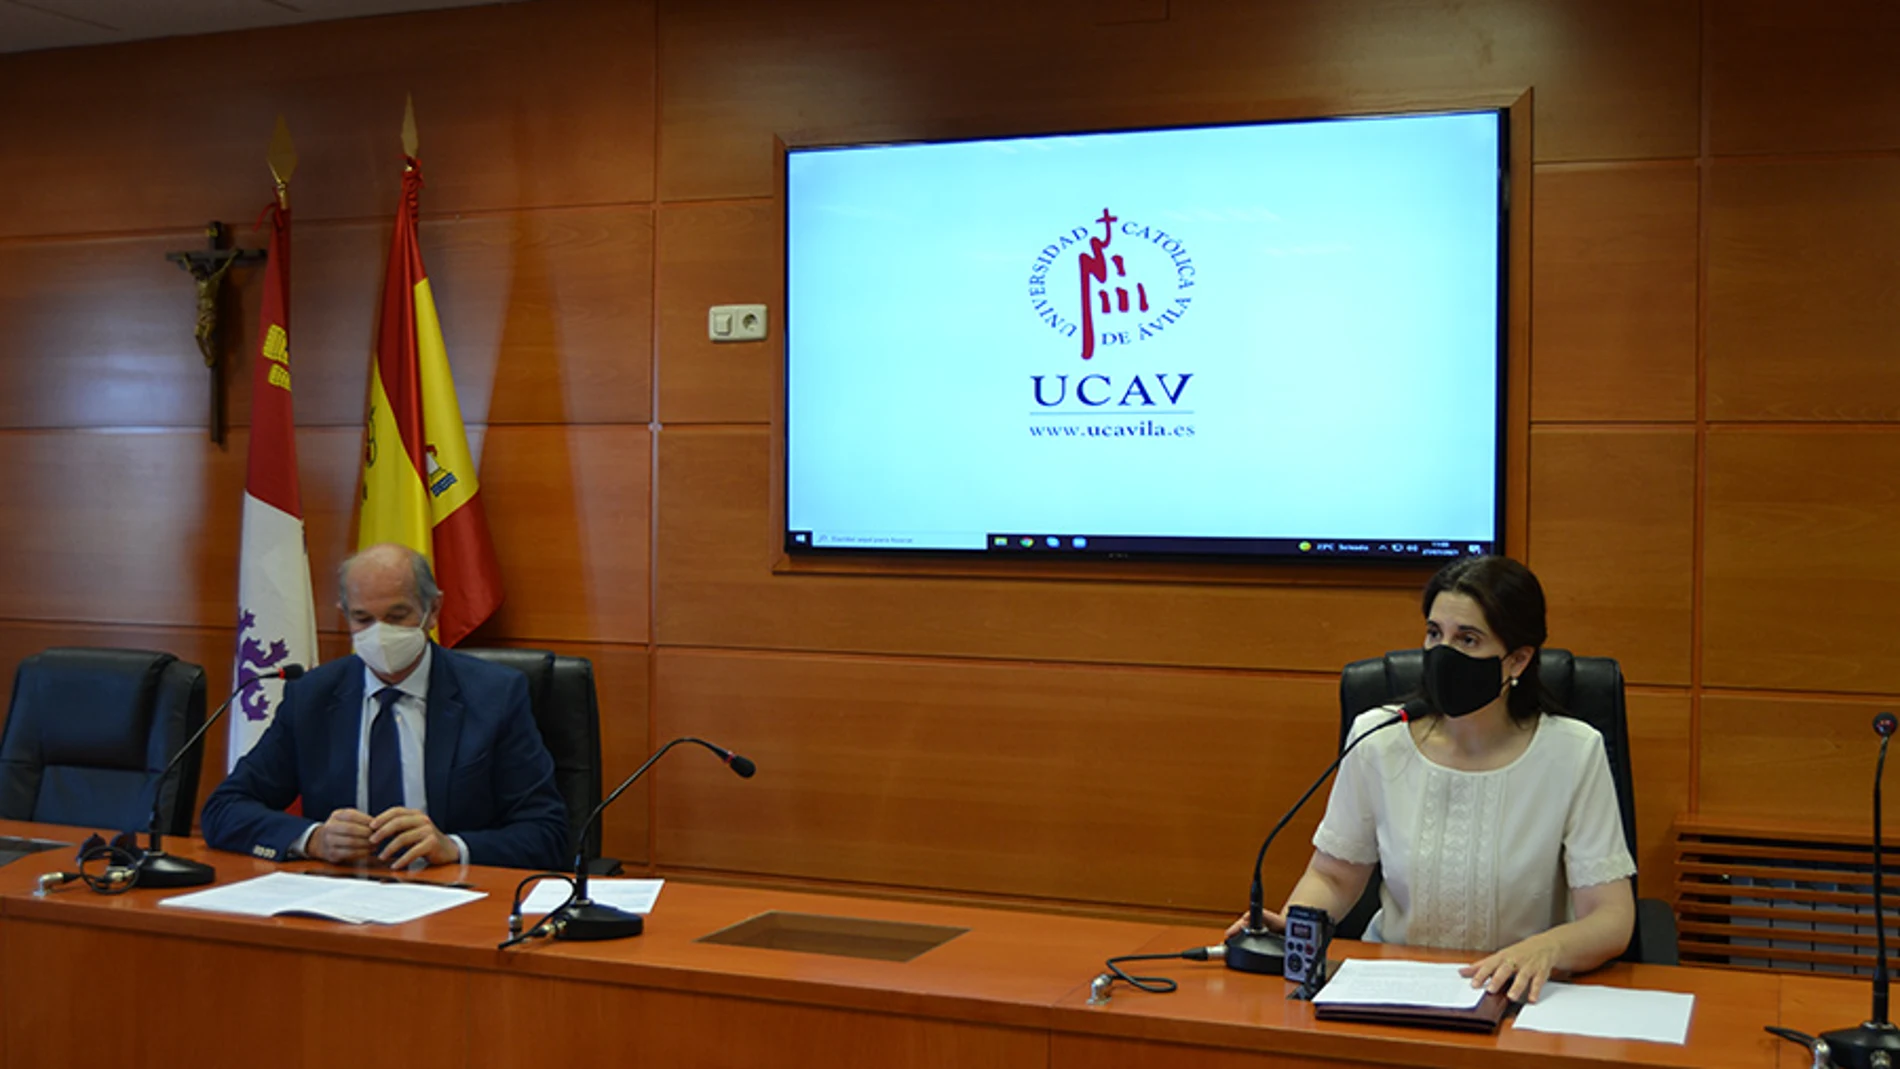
[[1609, 1013], [1378, 982], [350, 901], [634, 896]]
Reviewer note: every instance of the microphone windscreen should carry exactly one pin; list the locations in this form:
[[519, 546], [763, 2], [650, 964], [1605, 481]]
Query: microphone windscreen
[[743, 766], [1884, 724], [292, 671]]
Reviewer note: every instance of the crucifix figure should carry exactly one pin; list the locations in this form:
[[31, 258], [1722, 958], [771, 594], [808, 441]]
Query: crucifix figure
[[208, 269]]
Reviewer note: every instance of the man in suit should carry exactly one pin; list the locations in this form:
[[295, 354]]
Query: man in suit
[[404, 753]]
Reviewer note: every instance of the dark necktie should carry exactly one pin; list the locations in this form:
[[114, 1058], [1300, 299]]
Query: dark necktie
[[385, 755]]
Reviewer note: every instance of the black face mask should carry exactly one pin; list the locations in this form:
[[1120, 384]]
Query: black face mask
[[1457, 685]]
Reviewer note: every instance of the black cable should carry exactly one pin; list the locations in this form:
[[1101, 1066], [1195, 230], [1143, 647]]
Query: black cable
[[1789, 1034], [1154, 985], [515, 935], [119, 858], [120, 872]]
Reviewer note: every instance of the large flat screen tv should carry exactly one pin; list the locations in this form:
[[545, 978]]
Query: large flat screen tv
[[1272, 340]]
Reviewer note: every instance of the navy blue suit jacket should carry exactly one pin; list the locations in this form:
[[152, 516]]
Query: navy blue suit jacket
[[488, 776]]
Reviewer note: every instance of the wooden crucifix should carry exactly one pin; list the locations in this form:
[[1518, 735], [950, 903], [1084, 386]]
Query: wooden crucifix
[[208, 268]]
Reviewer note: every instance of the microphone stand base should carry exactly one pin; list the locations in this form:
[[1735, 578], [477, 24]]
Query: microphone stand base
[[1261, 953], [1857, 1048], [156, 868], [590, 921]]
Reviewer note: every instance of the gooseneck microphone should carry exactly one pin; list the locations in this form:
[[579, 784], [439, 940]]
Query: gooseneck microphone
[[1877, 1041], [156, 868], [582, 918], [1255, 949]]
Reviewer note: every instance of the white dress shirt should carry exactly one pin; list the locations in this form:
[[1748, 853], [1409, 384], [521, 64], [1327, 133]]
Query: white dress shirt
[[412, 729], [1477, 860]]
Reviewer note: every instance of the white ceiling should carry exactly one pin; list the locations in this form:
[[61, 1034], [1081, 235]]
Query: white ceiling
[[27, 25]]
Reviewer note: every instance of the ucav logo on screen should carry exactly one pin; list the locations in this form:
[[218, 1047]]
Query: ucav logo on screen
[[1127, 283], [1096, 390], [1123, 294]]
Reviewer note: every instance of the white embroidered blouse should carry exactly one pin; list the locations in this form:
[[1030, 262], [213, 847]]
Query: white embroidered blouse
[[1476, 860]]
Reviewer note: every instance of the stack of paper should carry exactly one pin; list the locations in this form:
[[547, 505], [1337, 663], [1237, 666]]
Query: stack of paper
[[351, 901], [634, 896], [1377, 982], [1609, 1012], [1408, 992]]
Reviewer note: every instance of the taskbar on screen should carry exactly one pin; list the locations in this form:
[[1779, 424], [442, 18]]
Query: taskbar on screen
[[1045, 543], [1020, 542]]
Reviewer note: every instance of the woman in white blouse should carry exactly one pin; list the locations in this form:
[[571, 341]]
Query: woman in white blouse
[[1495, 824]]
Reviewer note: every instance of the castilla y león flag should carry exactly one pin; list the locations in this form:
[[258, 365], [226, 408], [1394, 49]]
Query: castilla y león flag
[[419, 485], [277, 623]]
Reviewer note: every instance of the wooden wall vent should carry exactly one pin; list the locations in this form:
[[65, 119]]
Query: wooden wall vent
[[1759, 895]]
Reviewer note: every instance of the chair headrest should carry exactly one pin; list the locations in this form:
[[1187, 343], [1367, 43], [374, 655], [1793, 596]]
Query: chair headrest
[[537, 665], [90, 707]]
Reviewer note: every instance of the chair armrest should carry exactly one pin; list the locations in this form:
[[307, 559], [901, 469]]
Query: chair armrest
[[1654, 940], [610, 866]]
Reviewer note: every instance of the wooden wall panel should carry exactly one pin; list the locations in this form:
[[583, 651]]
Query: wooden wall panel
[[142, 527], [1800, 574], [1614, 80], [518, 105], [1613, 292], [560, 301], [1801, 316], [119, 527], [714, 586], [81, 503], [98, 333], [1613, 541], [1110, 785], [547, 316], [568, 508], [1788, 757], [1661, 746], [1803, 78], [720, 253]]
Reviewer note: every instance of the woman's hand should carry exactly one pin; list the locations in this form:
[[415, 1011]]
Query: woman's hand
[[1605, 914], [1275, 923], [1519, 969]]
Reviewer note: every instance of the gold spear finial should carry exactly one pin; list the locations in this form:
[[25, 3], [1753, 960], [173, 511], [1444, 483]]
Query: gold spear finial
[[409, 141], [282, 158]]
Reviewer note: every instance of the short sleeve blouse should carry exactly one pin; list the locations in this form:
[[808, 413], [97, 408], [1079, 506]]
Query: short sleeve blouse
[[1477, 860]]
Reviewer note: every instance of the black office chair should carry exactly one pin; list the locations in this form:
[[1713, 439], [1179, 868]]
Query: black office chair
[[1588, 688], [87, 732], [566, 709]]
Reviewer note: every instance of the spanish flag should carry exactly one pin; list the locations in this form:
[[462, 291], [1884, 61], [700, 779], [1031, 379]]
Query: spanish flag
[[419, 485], [277, 621]]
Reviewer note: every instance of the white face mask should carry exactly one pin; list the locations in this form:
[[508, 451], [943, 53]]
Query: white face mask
[[389, 649]]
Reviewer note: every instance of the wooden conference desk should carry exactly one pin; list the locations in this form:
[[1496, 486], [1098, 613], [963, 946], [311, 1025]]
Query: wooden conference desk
[[118, 981]]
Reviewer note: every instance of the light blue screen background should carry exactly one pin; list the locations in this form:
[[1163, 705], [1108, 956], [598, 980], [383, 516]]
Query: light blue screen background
[[1342, 335]]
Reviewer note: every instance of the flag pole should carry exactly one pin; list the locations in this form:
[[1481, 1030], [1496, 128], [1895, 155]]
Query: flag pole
[[410, 143], [282, 158]]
